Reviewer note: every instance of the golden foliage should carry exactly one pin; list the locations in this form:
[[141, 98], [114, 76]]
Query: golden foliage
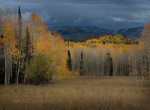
[[53, 47], [9, 35], [38, 23]]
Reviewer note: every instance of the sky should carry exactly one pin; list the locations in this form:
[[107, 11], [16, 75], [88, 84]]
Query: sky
[[110, 14]]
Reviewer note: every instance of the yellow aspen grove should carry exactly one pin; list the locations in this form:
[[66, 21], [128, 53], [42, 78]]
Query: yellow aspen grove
[[9, 39]]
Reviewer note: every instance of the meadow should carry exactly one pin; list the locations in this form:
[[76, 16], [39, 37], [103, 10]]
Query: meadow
[[79, 93]]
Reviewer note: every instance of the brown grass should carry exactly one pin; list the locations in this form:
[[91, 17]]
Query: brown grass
[[84, 93]]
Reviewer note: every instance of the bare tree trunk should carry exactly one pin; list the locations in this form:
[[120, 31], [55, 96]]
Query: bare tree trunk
[[11, 64], [8, 65], [6, 73], [18, 72], [9, 68]]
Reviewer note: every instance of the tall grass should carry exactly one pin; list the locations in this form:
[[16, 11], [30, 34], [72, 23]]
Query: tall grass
[[85, 93]]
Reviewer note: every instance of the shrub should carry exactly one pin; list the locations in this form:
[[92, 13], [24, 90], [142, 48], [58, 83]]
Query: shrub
[[38, 71]]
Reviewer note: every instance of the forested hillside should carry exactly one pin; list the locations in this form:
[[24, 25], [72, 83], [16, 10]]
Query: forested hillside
[[105, 38]]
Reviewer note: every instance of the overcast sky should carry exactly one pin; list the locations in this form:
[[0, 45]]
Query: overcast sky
[[112, 14]]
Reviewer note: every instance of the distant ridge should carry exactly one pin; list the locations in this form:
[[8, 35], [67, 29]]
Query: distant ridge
[[69, 32], [131, 32]]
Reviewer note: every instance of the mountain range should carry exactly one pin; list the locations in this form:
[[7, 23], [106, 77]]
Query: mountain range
[[70, 32]]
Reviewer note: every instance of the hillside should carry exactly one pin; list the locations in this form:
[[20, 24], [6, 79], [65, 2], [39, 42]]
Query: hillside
[[131, 32], [105, 40], [82, 33], [72, 32], [113, 39]]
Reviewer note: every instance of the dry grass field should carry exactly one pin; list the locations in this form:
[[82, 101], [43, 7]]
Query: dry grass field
[[79, 93]]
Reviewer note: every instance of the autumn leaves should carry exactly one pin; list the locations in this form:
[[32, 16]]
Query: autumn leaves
[[32, 54]]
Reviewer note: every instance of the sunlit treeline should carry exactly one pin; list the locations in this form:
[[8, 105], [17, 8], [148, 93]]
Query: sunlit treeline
[[113, 59]]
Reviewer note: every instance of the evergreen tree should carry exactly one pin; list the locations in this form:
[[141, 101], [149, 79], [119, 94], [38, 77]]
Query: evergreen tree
[[27, 48], [69, 62], [111, 66], [81, 64], [19, 46], [108, 69], [19, 36]]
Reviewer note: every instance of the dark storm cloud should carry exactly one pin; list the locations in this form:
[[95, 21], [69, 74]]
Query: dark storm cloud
[[103, 13]]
